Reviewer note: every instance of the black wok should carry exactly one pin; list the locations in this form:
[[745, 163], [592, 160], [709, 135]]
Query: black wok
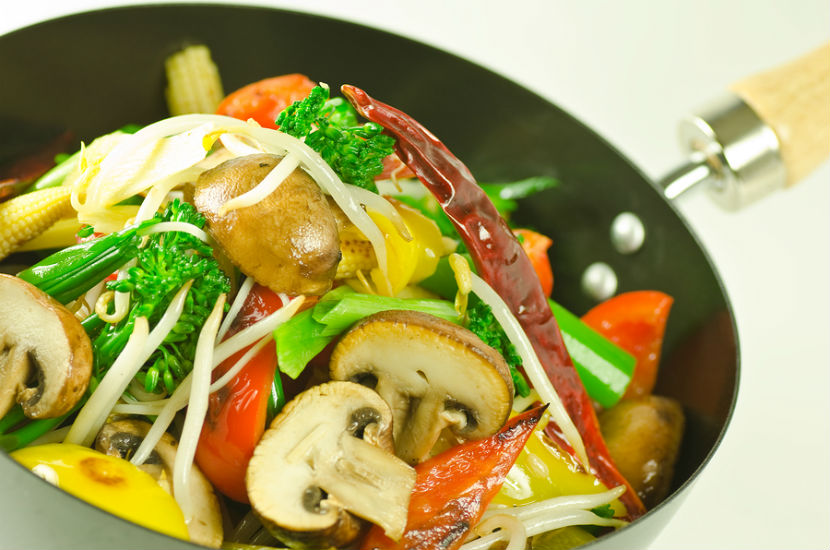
[[110, 72]]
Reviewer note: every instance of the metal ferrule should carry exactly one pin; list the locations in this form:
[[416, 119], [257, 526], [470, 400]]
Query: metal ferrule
[[732, 151]]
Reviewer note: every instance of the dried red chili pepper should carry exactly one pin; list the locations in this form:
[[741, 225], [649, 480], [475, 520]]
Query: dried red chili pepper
[[500, 260], [453, 489]]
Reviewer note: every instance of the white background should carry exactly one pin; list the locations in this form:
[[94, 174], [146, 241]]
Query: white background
[[631, 70]]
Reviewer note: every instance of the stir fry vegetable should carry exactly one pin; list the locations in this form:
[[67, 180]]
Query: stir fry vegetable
[[486, 235], [276, 311]]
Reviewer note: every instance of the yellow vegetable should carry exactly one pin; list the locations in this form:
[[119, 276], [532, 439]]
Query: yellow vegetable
[[193, 80], [108, 482], [60, 234], [543, 471], [26, 216], [410, 261], [357, 255]]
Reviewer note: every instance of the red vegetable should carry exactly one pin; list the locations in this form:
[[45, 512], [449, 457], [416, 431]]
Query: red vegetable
[[453, 489], [392, 165], [635, 321], [264, 100], [501, 262], [536, 247], [235, 420]]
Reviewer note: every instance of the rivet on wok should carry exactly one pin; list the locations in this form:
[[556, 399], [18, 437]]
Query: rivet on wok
[[599, 281], [627, 233]]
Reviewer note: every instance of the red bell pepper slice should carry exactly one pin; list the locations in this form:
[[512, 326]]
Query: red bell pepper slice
[[236, 415], [503, 264], [635, 321], [264, 100], [536, 247], [452, 490]]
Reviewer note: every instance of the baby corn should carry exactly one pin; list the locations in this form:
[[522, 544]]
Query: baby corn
[[24, 217], [194, 85], [358, 255]]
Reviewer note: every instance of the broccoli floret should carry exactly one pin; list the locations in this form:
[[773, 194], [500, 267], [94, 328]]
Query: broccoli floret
[[329, 126], [297, 119], [165, 263], [482, 323]]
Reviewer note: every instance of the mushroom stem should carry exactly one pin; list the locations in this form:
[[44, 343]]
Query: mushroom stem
[[422, 430], [364, 481]]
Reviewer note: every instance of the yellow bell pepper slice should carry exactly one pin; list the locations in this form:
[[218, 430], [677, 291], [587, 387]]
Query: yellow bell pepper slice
[[543, 471], [108, 482], [409, 261]]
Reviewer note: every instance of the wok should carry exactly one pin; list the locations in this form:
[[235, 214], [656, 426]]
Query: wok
[[122, 51]]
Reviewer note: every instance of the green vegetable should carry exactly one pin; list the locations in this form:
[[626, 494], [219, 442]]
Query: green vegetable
[[482, 323], [298, 341], [504, 195], [70, 272], [354, 152], [30, 429], [340, 315], [307, 334], [604, 368], [163, 265]]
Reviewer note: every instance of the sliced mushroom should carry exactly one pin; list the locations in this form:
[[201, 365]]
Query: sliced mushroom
[[326, 461], [288, 241], [643, 437], [122, 438], [45, 354], [432, 373]]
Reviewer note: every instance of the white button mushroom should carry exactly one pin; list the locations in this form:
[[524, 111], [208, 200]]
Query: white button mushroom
[[327, 458], [432, 373], [45, 354]]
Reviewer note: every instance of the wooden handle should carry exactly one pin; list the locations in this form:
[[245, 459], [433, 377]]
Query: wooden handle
[[794, 100]]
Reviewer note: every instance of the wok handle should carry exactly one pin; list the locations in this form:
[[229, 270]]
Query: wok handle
[[769, 132], [794, 100]]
